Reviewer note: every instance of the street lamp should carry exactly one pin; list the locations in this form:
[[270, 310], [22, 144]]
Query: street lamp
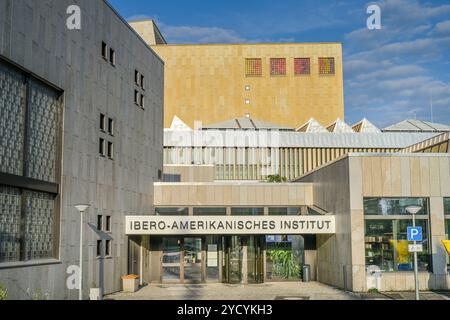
[[414, 210], [81, 209]]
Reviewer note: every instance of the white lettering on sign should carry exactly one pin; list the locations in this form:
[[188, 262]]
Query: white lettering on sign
[[227, 225], [415, 248]]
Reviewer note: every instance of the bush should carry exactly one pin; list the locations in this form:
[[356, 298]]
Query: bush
[[373, 290], [3, 292]]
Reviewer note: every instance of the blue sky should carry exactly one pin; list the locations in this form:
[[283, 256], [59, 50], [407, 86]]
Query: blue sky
[[390, 74]]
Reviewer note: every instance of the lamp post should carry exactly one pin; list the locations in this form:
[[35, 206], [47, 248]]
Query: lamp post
[[414, 210], [81, 209]]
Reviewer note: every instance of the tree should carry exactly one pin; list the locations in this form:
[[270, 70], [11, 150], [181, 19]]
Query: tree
[[276, 179]]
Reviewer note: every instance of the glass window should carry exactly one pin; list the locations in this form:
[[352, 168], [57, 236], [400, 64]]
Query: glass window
[[107, 248], [302, 66], [101, 149], [111, 126], [386, 245], [110, 150], [104, 50], [289, 211], [136, 77], [247, 211], [447, 205], [99, 222], [326, 66], [136, 97], [112, 57], [253, 67], [172, 211], [210, 211], [108, 223], [278, 66], [284, 257], [99, 248], [102, 122], [393, 206], [142, 81]]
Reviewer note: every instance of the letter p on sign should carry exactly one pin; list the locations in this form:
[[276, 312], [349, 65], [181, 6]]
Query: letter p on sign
[[414, 233]]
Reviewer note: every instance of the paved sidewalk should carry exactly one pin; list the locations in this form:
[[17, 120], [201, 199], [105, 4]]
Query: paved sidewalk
[[219, 291]]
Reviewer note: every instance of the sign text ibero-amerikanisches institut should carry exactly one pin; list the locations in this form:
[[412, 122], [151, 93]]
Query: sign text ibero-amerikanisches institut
[[229, 225]]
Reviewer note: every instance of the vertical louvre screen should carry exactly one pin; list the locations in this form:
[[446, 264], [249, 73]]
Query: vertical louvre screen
[[278, 66], [326, 66], [302, 66], [12, 115]]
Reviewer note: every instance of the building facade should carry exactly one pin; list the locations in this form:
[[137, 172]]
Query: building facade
[[81, 121], [285, 83]]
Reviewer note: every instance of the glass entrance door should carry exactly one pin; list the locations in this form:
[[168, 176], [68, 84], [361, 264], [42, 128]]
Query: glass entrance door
[[233, 259], [171, 260], [182, 260], [192, 257]]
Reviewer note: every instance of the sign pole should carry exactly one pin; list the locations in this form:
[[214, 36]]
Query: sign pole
[[416, 272]]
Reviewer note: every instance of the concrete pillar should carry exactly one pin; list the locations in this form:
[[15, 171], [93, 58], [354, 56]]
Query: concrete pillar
[[244, 270], [437, 223]]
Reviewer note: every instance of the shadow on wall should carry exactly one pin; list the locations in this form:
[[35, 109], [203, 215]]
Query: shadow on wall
[[102, 236]]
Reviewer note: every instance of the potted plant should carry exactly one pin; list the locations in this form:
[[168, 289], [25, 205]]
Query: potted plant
[[3, 292]]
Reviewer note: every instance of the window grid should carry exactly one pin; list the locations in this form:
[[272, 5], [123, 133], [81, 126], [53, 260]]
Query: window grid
[[253, 67], [302, 66], [278, 66], [326, 66]]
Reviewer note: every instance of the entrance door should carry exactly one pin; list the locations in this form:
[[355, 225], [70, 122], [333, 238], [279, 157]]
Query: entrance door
[[243, 259], [171, 260], [182, 260], [192, 257], [233, 259]]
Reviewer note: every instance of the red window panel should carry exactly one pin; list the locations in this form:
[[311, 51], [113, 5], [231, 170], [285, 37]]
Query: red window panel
[[302, 66], [278, 66]]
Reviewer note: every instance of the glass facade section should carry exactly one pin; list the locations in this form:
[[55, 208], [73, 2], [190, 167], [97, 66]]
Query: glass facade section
[[172, 211], [30, 127], [247, 211], [284, 257], [393, 206], [43, 133], [210, 211], [12, 117], [447, 206], [386, 245], [288, 211], [10, 220]]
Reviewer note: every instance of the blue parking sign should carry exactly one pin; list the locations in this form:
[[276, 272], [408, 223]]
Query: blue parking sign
[[414, 233]]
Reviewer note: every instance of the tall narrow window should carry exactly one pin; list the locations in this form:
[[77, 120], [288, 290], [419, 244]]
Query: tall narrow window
[[278, 66], [253, 67], [108, 224], [136, 77], [99, 248], [142, 81], [100, 222], [326, 66], [136, 97], [302, 66], [110, 150], [102, 147], [102, 122], [104, 51], [142, 101], [107, 248], [111, 126], [112, 57]]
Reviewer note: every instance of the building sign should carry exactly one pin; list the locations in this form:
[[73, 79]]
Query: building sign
[[229, 225]]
